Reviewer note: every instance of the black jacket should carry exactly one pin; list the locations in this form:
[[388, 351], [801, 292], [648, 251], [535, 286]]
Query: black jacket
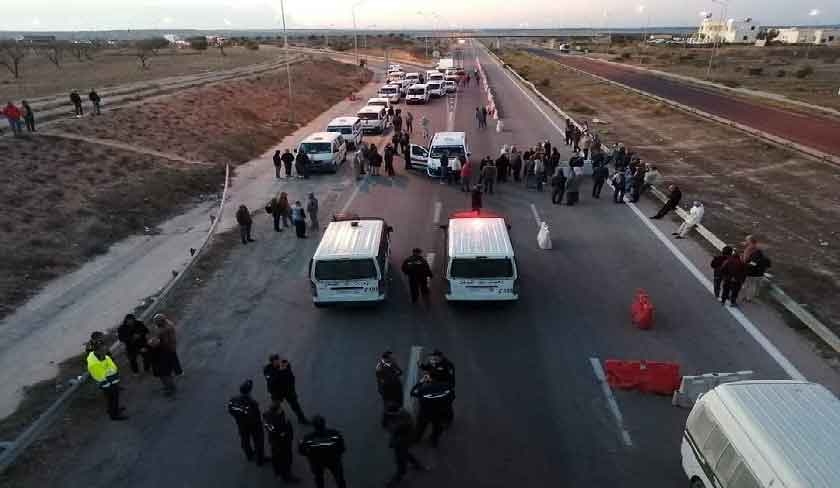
[[280, 383], [322, 447], [444, 369], [417, 268], [600, 173], [243, 217], [245, 410], [278, 428], [674, 197], [134, 336], [401, 427], [435, 397], [287, 158]]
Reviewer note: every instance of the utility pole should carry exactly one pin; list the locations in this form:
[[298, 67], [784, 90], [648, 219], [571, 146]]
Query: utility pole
[[288, 60], [715, 44]]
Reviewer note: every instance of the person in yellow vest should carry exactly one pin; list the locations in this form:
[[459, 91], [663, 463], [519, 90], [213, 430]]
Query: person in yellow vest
[[104, 371]]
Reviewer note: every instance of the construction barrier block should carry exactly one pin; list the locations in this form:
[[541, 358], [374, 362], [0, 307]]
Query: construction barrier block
[[693, 387], [660, 378], [625, 375]]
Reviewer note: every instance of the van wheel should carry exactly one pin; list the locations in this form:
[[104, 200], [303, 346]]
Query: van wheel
[[697, 483]]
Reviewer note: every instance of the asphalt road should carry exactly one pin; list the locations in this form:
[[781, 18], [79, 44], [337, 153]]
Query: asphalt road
[[530, 411], [810, 130]]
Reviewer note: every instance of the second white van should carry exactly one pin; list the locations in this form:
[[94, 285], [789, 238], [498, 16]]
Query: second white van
[[349, 127], [417, 94], [374, 118], [326, 151], [436, 88]]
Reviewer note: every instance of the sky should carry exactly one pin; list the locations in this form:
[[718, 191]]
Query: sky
[[398, 14]]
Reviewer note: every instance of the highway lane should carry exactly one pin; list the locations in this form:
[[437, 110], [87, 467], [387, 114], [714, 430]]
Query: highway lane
[[808, 129], [529, 410]]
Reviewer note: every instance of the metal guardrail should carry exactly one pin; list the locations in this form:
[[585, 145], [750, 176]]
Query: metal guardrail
[[775, 292], [12, 450]]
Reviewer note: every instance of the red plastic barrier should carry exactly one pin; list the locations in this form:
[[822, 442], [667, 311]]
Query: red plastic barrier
[[646, 376], [641, 310]]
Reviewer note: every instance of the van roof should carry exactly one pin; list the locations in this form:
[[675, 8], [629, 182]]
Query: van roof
[[322, 137], [412, 74], [371, 109], [346, 120], [479, 236], [448, 139], [349, 239], [377, 99], [389, 85], [794, 425], [417, 85]]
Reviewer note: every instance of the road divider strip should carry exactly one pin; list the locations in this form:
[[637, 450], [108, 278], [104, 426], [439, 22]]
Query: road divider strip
[[412, 376], [612, 404]]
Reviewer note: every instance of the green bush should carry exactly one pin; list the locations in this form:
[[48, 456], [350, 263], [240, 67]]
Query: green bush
[[804, 71]]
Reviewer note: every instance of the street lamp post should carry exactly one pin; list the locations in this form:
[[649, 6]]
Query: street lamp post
[[724, 4], [288, 60], [813, 13], [355, 31]]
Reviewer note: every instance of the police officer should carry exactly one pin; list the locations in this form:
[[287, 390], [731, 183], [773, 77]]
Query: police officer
[[280, 382], [104, 371], [418, 271], [440, 365], [246, 411], [399, 424], [280, 435], [324, 448], [435, 397], [388, 380]]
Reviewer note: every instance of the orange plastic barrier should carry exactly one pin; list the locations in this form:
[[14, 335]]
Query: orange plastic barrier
[[641, 310], [646, 376]]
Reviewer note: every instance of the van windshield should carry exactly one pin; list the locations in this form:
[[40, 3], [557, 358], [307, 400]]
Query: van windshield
[[316, 147], [481, 268], [379, 103], [433, 86], [416, 91], [449, 151], [388, 91], [347, 269], [369, 115], [340, 130]]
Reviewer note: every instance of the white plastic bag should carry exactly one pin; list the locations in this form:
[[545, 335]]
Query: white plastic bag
[[544, 237]]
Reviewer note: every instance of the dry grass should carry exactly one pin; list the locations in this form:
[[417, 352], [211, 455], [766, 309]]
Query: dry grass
[[229, 122], [748, 186], [117, 66]]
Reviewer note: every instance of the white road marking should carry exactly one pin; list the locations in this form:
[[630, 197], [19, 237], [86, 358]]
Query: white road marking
[[430, 258], [536, 215], [412, 377], [438, 208], [353, 195], [739, 316], [611, 403], [450, 117]]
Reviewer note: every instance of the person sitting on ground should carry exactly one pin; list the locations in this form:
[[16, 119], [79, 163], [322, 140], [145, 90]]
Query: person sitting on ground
[[695, 215]]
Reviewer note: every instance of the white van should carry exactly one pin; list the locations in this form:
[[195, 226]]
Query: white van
[[352, 262], [380, 101], [763, 434], [414, 77], [436, 88], [374, 118], [326, 151], [392, 92], [434, 75], [480, 264], [450, 86], [417, 94], [349, 127], [450, 144]]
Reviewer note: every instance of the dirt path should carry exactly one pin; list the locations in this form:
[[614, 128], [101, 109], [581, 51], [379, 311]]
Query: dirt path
[[124, 146]]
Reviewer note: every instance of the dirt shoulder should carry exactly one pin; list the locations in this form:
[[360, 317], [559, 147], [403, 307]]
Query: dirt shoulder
[[64, 201], [747, 186]]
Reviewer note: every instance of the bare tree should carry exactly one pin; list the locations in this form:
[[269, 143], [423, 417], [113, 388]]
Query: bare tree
[[222, 44], [55, 52], [145, 48], [11, 56]]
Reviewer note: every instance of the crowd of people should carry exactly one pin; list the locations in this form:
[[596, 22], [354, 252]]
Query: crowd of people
[[736, 272], [24, 116]]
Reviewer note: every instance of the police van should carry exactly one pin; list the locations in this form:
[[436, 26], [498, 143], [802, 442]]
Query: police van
[[480, 263], [449, 144], [326, 151], [374, 118], [417, 93], [763, 434], [352, 262], [349, 127]]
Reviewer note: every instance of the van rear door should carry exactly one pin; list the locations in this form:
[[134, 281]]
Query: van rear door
[[346, 280], [482, 278]]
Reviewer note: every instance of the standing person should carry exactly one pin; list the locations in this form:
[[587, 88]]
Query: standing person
[[539, 171], [638, 179], [323, 448], [388, 380], [246, 412], [444, 167], [569, 132], [391, 114], [435, 397], [389, 160], [418, 271], [280, 436], [466, 175], [398, 122], [478, 117], [407, 154], [243, 218], [76, 100], [288, 158], [374, 159], [695, 215], [104, 372], [674, 197], [280, 383], [618, 181], [312, 210], [652, 177], [572, 188], [733, 273], [358, 164], [483, 111], [302, 163], [28, 116], [398, 423], [409, 122], [405, 143], [134, 334], [278, 164], [502, 164], [516, 164], [424, 123], [756, 264], [13, 115], [717, 266], [599, 177], [396, 140], [96, 100], [168, 341], [576, 136], [279, 209], [299, 220], [438, 363], [475, 198], [558, 186], [552, 162], [488, 176]]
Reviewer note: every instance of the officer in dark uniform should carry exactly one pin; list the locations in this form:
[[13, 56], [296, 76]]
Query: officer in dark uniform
[[440, 365], [388, 380], [399, 424], [280, 435], [246, 411], [418, 271], [324, 448], [435, 397], [280, 382]]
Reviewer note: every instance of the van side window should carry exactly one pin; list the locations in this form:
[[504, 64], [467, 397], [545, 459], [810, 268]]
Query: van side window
[[726, 465], [713, 448], [699, 425], [743, 479], [383, 253]]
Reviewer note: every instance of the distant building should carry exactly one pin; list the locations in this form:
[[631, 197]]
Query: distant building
[[808, 35], [36, 39], [731, 32]]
